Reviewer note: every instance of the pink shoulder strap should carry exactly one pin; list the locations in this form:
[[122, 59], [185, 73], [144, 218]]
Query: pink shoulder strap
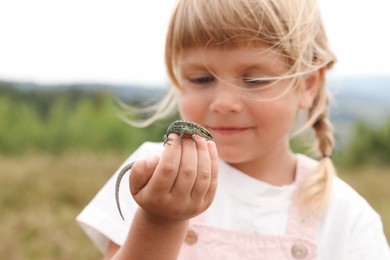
[[297, 224]]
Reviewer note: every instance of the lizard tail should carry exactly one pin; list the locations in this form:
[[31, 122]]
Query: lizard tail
[[118, 183]]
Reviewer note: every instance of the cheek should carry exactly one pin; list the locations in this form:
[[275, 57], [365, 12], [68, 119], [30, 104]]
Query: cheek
[[191, 107], [277, 117], [283, 116]]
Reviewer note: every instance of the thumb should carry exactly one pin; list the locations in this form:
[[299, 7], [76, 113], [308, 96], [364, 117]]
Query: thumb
[[141, 173]]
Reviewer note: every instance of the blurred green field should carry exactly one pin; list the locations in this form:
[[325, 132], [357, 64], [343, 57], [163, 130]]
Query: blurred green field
[[41, 194], [59, 146]]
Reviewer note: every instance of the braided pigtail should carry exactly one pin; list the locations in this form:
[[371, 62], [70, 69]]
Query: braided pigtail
[[313, 194]]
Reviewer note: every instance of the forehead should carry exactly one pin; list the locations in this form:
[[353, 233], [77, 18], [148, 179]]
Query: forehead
[[239, 55]]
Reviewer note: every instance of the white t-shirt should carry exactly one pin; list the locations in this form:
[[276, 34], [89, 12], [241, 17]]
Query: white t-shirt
[[350, 229]]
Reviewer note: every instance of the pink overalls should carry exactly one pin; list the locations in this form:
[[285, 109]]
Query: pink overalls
[[204, 242]]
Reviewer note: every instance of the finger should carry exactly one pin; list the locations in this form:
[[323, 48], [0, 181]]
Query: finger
[[203, 176], [188, 168], [166, 172], [214, 172], [141, 173]]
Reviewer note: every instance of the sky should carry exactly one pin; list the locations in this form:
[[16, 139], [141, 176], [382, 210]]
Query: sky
[[122, 42]]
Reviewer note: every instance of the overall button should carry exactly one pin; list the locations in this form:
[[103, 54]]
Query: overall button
[[299, 251], [191, 237]]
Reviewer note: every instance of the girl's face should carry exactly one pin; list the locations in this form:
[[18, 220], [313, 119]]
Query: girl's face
[[245, 129]]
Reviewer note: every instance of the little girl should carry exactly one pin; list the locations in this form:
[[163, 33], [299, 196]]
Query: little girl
[[243, 69]]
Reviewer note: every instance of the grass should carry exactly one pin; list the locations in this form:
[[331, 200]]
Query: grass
[[41, 195]]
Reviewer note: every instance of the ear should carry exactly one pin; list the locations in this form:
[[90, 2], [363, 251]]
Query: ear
[[311, 85]]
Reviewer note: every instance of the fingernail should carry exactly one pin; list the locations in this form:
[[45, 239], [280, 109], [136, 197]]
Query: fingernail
[[173, 136], [199, 138], [211, 145]]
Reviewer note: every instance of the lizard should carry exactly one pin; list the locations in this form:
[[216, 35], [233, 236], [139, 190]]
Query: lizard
[[181, 127]]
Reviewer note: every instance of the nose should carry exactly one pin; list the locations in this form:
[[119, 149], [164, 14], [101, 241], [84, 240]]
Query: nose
[[226, 99]]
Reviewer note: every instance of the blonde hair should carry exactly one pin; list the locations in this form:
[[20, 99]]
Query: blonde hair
[[294, 29]]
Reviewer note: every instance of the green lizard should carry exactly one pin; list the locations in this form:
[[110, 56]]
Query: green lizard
[[181, 127]]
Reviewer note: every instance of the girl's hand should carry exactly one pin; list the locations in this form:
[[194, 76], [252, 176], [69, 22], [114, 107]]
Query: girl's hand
[[181, 184]]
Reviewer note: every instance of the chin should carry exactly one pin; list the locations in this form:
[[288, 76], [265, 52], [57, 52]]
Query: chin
[[231, 157]]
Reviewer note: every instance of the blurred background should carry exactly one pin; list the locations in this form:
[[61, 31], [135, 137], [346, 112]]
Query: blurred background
[[65, 64]]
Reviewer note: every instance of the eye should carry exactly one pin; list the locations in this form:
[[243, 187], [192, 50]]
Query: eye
[[256, 81], [201, 80]]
